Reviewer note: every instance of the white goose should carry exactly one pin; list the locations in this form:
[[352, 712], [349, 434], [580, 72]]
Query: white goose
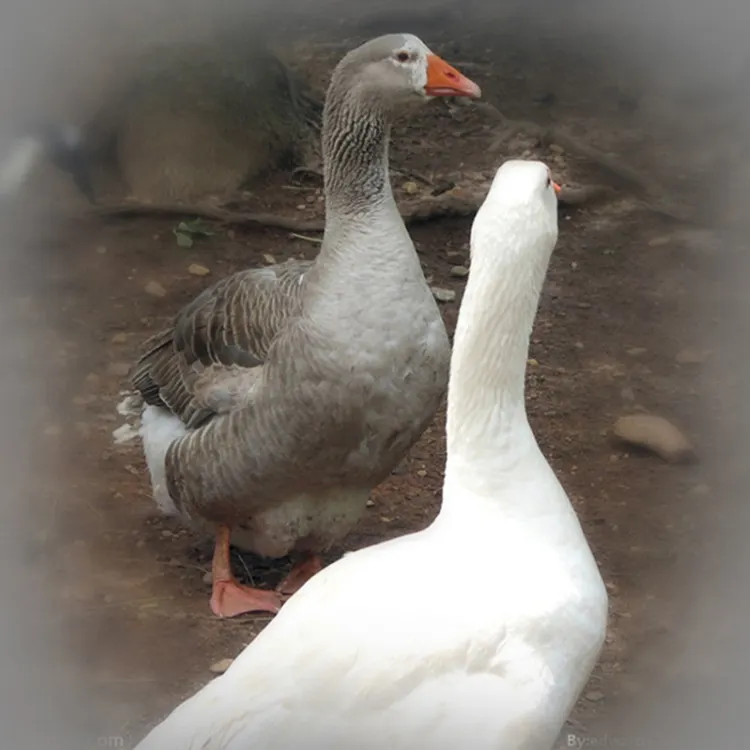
[[478, 632]]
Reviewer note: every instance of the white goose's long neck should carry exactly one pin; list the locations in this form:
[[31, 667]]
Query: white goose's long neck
[[487, 425]]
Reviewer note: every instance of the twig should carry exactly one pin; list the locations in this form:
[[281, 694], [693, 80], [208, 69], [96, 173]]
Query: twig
[[431, 209], [304, 237], [130, 210]]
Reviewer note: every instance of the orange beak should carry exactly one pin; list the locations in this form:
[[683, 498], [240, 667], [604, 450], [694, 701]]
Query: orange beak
[[556, 187], [445, 80]]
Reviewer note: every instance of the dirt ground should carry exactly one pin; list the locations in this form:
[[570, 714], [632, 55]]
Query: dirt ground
[[613, 337]]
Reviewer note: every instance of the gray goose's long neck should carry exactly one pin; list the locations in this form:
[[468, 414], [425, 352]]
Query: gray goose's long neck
[[366, 252], [355, 148]]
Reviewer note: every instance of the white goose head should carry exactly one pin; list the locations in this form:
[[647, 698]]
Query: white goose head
[[518, 216]]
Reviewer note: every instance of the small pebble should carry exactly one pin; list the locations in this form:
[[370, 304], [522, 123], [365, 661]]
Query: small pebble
[[119, 369], [532, 362], [196, 269], [691, 356], [595, 696], [220, 666], [460, 272], [443, 295], [657, 435], [658, 241], [636, 351], [421, 473], [268, 259], [370, 503], [120, 338], [410, 188], [208, 578], [556, 149], [155, 289], [101, 250]]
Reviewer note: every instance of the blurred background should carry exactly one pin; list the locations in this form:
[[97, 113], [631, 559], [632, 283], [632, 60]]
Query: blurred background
[[149, 148]]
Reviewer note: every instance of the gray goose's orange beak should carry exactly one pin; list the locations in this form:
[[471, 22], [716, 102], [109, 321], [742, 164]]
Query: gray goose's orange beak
[[445, 80]]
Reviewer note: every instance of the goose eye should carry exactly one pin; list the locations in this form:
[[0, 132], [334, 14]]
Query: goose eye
[[403, 57], [549, 181]]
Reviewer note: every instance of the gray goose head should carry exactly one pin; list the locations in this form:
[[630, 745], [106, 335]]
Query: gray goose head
[[397, 70]]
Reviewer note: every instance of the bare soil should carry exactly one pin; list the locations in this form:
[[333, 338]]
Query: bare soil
[[618, 307]]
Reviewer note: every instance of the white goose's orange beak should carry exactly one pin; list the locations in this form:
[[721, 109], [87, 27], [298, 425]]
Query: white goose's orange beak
[[556, 187], [445, 80]]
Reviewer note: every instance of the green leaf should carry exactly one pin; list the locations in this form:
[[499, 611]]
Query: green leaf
[[183, 240]]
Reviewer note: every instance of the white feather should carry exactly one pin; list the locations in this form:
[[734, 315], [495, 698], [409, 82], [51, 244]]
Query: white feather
[[159, 429]]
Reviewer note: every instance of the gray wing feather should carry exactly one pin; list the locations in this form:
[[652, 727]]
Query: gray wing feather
[[209, 360]]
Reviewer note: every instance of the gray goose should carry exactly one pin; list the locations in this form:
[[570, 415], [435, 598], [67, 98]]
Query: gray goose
[[281, 396]]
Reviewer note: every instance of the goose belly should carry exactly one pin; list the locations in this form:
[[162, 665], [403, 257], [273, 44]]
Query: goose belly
[[305, 522]]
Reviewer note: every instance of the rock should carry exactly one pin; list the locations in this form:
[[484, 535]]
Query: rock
[[690, 356], [410, 187], [208, 578], [196, 269], [595, 696], [268, 259], [443, 295], [657, 435], [155, 289], [370, 503], [636, 351], [120, 338], [556, 149], [120, 369], [460, 272], [659, 241], [532, 362], [220, 666], [456, 255]]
